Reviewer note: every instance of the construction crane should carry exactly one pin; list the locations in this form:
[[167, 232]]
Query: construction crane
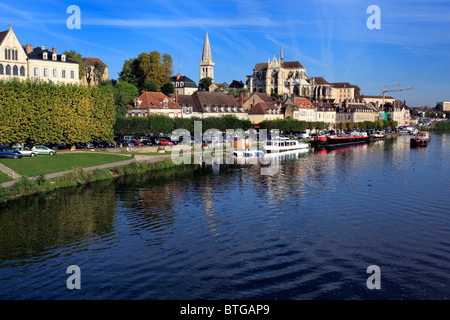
[[389, 89]]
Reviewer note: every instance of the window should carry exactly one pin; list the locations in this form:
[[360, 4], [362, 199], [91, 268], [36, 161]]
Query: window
[[9, 54], [72, 74], [6, 54], [36, 72], [22, 71], [63, 74], [45, 56], [55, 57], [15, 71], [8, 70], [1, 69], [63, 58], [55, 73], [45, 72]]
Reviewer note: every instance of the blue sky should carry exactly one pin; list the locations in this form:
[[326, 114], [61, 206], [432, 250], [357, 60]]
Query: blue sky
[[328, 37]]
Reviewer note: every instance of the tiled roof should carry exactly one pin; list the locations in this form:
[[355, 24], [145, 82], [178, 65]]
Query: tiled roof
[[154, 100], [91, 61], [285, 65], [320, 80], [341, 85], [262, 108], [200, 101], [303, 103]]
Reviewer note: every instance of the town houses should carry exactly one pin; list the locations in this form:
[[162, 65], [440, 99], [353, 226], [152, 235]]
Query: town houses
[[276, 89]]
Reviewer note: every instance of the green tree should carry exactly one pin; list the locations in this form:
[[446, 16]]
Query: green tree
[[205, 83], [168, 88], [150, 86]]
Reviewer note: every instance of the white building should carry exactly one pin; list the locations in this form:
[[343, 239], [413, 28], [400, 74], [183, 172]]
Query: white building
[[26, 62]]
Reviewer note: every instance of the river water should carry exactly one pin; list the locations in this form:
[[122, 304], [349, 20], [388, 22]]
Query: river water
[[309, 231]]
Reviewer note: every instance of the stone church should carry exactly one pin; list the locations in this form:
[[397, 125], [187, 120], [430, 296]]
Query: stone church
[[279, 77]]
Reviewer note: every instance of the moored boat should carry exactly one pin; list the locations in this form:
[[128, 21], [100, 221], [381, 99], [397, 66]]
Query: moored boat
[[283, 145], [420, 139], [377, 135], [333, 140], [248, 153]]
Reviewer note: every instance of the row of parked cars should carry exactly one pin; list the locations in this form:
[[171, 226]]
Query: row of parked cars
[[17, 151]]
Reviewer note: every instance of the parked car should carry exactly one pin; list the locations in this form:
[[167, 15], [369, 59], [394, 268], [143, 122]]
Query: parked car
[[8, 153], [99, 144], [90, 145], [26, 152], [81, 145], [110, 144], [44, 150], [137, 143], [304, 136], [124, 143], [165, 142]]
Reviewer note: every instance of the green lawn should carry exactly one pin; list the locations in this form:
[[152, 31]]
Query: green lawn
[[44, 164], [5, 177]]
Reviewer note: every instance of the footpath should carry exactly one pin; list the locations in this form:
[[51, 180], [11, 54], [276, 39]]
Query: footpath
[[137, 158]]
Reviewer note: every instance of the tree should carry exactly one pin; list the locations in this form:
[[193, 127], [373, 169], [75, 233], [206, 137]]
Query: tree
[[357, 92], [168, 88], [148, 66], [205, 83], [99, 71], [77, 57], [150, 86]]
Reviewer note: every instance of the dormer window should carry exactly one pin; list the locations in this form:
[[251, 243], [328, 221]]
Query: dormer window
[[55, 57], [45, 56], [63, 58]]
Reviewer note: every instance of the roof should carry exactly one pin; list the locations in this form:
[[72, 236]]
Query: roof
[[91, 61], [38, 53], [262, 108], [320, 80], [3, 35], [285, 65], [236, 84], [187, 81], [154, 100], [201, 100], [303, 103], [341, 85]]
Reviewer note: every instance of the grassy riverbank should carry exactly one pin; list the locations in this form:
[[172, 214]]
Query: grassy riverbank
[[77, 176], [33, 167]]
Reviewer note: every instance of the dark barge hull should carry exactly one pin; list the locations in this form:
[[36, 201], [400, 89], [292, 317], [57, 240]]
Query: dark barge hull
[[419, 142], [338, 141]]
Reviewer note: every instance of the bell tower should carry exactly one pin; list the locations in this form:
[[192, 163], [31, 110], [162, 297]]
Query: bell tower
[[206, 65]]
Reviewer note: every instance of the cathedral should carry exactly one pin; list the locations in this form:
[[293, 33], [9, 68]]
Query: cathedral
[[279, 77]]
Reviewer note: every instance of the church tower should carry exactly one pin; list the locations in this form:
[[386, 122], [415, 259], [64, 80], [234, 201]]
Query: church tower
[[206, 65]]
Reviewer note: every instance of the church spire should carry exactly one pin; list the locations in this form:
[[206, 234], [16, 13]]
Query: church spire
[[281, 53], [206, 49], [206, 65]]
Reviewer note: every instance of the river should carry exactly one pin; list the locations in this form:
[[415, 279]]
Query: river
[[309, 231]]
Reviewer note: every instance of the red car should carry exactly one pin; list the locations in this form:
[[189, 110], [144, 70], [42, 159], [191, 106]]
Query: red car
[[165, 142], [137, 143]]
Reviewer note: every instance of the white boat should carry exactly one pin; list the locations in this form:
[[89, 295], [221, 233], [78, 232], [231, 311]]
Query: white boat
[[283, 145], [248, 153]]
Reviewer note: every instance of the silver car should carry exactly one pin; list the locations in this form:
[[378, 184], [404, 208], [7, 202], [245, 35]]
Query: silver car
[[26, 153]]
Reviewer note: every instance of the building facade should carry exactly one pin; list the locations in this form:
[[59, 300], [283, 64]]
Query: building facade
[[279, 77], [154, 103], [183, 85], [93, 76], [26, 62], [13, 59]]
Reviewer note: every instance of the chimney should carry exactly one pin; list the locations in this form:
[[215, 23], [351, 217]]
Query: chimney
[[29, 48], [176, 97], [54, 50], [43, 48], [241, 98], [178, 76]]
